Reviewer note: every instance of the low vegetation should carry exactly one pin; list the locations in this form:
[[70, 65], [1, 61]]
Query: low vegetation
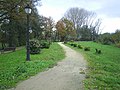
[[14, 68], [110, 38], [35, 46], [103, 68]]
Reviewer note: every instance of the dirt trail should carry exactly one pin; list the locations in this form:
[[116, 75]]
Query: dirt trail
[[65, 76]]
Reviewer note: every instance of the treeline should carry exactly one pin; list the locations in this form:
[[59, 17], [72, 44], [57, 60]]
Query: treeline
[[13, 23], [110, 38], [78, 24]]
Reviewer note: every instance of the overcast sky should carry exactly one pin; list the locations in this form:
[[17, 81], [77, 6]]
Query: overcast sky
[[107, 10]]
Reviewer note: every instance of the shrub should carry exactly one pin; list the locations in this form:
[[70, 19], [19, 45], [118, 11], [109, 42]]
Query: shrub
[[44, 44], [34, 46], [79, 46], [118, 45], [75, 45], [71, 44], [98, 51], [106, 39], [87, 49]]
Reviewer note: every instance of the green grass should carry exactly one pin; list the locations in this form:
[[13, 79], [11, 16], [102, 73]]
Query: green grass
[[14, 68], [103, 69]]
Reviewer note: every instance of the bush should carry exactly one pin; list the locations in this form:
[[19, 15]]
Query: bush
[[74, 45], [118, 45], [87, 49], [98, 51], [79, 46], [71, 44], [44, 44], [34, 46], [106, 41]]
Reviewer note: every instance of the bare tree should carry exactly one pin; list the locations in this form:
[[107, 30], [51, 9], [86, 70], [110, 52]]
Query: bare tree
[[80, 18], [77, 16]]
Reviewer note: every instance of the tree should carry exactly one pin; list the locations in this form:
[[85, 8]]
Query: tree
[[65, 30], [85, 33], [116, 36], [9, 8], [69, 28], [13, 10], [80, 18], [61, 30], [76, 15], [105, 38], [49, 28]]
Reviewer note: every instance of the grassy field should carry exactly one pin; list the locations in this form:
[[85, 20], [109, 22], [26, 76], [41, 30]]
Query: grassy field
[[14, 68], [103, 69]]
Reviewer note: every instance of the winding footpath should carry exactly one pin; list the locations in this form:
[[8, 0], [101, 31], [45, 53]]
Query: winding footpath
[[65, 76]]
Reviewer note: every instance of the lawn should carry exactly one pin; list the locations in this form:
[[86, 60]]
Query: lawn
[[103, 69], [14, 68]]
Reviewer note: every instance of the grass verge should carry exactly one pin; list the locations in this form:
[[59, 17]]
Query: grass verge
[[103, 69], [14, 68]]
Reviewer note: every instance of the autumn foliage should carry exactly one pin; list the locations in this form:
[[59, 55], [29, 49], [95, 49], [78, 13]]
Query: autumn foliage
[[65, 30]]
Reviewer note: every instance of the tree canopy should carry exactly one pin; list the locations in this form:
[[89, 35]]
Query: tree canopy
[[13, 22], [65, 29]]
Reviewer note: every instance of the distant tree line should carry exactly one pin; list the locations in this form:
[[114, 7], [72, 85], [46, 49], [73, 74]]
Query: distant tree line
[[110, 38], [82, 24]]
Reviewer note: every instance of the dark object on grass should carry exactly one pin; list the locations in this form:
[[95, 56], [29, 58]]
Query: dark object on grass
[[75, 45], [8, 49], [71, 44], [98, 51], [87, 49], [79, 46]]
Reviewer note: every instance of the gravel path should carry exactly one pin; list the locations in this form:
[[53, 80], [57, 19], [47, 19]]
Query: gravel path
[[67, 75]]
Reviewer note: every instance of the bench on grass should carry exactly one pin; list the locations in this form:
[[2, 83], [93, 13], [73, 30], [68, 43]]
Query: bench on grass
[[8, 49]]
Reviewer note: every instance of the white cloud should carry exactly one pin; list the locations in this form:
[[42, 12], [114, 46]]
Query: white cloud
[[110, 24], [55, 13], [88, 4]]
